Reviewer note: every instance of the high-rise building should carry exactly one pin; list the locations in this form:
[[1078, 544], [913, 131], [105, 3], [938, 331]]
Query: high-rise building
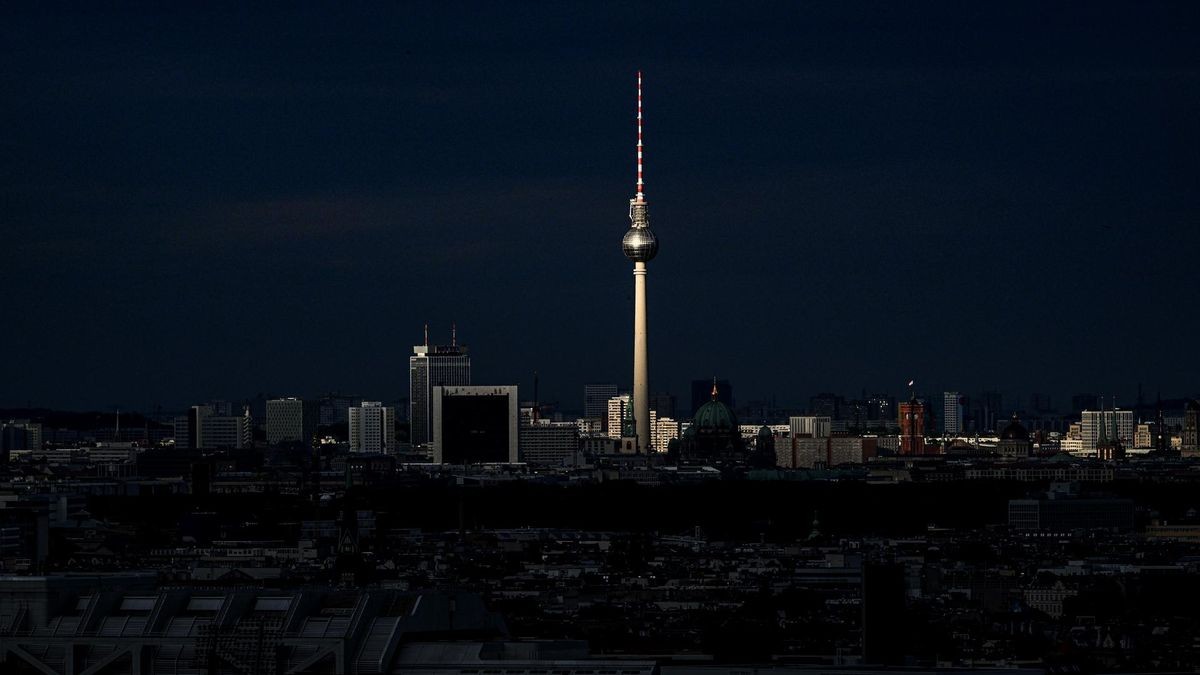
[[202, 429], [335, 408], [1093, 420], [475, 425], [810, 426], [429, 367], [952, 413], [1190, 437], [372, 428], [640, 245], [618, 415], [912, 427], [663, 404], [595, 399], [666, 430], [881, 407], [826, 405], [291, 420], [19, 435]]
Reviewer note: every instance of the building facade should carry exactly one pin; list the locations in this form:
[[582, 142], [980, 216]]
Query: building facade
[[952, 413], [433, 366], [1090, 427], [292, 420], [475, 425], [372, 428]]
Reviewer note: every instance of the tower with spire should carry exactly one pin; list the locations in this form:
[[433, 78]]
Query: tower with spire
[[640, 245]]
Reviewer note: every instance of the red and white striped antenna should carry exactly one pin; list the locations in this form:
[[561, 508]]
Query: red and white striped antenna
[[641, 195]]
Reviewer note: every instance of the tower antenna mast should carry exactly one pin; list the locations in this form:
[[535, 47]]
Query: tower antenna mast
[[641, 191]]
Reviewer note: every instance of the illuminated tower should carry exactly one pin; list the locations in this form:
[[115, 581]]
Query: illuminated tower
[[640, 245]]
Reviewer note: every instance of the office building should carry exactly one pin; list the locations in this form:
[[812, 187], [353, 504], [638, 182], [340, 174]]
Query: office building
[[663, 404], [809, 426], [335, 408], [203, 429], [666, 430], [433, 366], [1065, 514], [549, 443], [19, 435], [826, 405], [1092, 420], [952, 413], [595, 399], [1190, 436], [373, 428], [618, 416], [292, 420], [475, 425]]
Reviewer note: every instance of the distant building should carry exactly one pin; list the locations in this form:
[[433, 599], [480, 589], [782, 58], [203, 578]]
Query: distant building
[[1014, 440], [826, 405], [549, 443], [429, 367], [19, 435], [618, 416], [881, 408], [952, 413], [201, 429], [1190, 437], [475, 425], [810, 426], [663, 404], [291, 420], [335, 408], [373, 428], [665, 431], [1066, 514], [912, 427], [595, 399], [1093, 420]]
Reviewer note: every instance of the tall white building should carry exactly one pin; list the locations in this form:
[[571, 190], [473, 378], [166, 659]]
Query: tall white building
[[433, 366], [618, 412], [952, 413], [665, 430], [372, 428], [810, 426], [1090, 427]]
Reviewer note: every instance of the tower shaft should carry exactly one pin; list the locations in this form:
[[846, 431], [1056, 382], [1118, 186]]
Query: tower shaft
[[641, 366]]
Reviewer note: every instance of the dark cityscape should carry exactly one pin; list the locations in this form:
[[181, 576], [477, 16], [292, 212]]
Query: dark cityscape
[[600, 339]]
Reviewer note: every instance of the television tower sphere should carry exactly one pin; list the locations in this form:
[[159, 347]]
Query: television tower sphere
[[639, 244]]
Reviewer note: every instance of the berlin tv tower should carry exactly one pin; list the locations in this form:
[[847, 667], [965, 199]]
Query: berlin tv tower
[[640, 245]]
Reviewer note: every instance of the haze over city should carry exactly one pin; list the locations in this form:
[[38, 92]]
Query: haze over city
[[202, 204]]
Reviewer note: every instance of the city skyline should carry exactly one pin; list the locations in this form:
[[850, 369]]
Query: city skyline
[[846, 210]]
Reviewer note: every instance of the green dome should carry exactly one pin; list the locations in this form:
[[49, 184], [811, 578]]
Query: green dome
[[714, 416]]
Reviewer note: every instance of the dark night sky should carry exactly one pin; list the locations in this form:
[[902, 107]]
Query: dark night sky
[[211, 204]]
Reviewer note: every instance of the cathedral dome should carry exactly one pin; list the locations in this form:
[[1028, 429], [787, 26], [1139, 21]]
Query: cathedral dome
[[1015, 431], [714, 416]]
